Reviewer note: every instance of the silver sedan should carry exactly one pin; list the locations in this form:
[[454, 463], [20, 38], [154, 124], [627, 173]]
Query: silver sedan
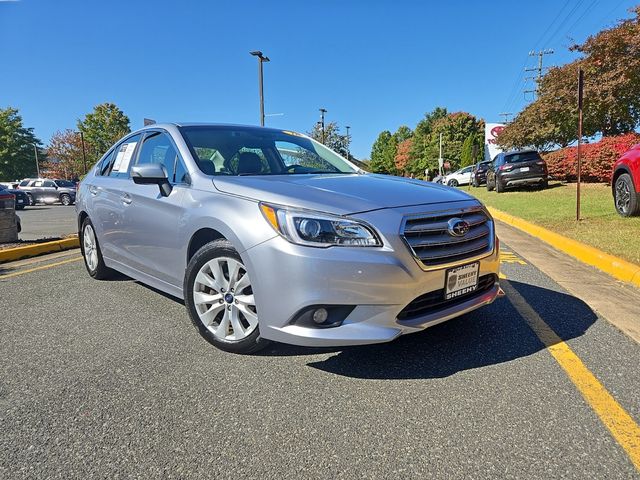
[[268, 235]]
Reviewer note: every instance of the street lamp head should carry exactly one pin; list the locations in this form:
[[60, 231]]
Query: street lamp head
[[258, 53]]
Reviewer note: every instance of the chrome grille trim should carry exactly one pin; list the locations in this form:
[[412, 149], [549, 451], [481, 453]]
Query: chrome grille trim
[[428, 240]]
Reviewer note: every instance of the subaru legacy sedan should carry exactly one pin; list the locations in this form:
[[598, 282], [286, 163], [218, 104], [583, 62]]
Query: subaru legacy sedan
[[269, 235]]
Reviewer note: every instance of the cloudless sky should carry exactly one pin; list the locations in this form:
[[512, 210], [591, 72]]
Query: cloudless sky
[[372, 64]]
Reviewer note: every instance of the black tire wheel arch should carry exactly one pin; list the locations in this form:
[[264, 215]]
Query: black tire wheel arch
[[253, 342]]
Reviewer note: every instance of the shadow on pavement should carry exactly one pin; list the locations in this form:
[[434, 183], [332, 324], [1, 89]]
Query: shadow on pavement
[[488, 336]]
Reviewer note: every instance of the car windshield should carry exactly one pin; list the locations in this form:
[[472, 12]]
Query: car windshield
[[221, 150], [65, 183], [521, 157]]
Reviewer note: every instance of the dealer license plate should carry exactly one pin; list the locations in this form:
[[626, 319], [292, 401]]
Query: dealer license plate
[[524, 169], [461, 280]]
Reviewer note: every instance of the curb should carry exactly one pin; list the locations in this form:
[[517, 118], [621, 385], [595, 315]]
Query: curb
[[614, 266], [27, 251]]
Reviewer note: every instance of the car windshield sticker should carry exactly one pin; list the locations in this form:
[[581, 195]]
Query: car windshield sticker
[[124, 157]]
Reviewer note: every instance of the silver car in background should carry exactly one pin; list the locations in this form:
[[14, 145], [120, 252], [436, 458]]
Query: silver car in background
[[268, 235]]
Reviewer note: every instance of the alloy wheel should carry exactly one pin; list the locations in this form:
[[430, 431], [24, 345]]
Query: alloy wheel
[[623, 196], [224, 300], [90, 247]]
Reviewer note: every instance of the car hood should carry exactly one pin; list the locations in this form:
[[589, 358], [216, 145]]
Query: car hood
[[339, 194]]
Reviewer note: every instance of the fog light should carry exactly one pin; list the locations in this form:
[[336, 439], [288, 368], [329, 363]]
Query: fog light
[[320, 315]]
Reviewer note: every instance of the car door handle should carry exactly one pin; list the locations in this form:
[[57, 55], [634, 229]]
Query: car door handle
[[126, 199], [93, 190]]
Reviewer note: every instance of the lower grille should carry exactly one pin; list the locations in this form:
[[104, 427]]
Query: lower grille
[[431, 242], [434, 301]]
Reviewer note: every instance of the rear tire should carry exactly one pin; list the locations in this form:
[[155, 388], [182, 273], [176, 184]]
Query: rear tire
[[499, 187], [91, 253], [625, 197], [219, 297]]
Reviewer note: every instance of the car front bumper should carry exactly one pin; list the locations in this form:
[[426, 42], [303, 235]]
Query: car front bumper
[[378, 282]]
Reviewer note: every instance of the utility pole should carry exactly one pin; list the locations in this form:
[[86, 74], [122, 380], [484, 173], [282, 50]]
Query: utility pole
[[506, 116], [322, 112], [540, 54], [580, 97], [261, 60], [35, 149], [348, 141], [440, 159]]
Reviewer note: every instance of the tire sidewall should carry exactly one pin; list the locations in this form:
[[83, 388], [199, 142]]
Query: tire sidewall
[[219, 248], [101, 271]]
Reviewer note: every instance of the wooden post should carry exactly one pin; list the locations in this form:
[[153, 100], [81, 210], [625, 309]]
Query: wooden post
[[580, 89]]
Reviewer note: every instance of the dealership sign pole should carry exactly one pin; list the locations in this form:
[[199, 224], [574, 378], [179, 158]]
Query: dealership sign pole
[[580, 88]]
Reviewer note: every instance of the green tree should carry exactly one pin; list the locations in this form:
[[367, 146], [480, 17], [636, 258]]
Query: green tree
[[102, 128], [17, 156], [383, 154], [332, 137], [403, 133], [422, 153]]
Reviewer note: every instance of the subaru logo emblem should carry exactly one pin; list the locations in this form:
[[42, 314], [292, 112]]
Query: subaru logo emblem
[[457, 227]]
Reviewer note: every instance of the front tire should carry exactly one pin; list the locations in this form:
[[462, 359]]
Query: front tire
[[219, 298], [91, 253], [452, 183], [31, 199], [65, 199], [625, 197]]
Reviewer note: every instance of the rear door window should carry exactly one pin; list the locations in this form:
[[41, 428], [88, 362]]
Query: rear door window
[[123, 156]]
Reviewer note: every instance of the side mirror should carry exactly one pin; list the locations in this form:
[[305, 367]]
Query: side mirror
[[151, 174]]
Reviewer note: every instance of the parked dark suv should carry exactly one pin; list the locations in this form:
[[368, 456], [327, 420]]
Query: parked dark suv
[[44, 190], [513, 169], [480, 173], [21, 198]]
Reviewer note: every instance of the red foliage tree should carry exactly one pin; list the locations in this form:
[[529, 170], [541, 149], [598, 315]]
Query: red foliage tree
[[403, 154]]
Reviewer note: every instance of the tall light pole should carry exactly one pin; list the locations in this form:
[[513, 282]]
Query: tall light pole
[[322, 112], [261, 60], [35, 149], [348, 141]]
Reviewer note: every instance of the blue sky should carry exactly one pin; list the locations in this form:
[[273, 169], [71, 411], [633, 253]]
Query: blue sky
[[373, 65]]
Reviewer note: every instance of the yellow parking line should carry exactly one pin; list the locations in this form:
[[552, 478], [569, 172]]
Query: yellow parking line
[[510, 257], [622, 426], [35, 269]]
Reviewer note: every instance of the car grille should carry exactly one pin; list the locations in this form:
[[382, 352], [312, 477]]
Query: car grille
[[434, 301], [430, 241]]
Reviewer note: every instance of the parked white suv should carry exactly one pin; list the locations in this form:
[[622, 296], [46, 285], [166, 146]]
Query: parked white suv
[[459, 177]]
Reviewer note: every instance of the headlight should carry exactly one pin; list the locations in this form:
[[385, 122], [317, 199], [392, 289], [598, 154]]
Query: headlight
[[318, 229]]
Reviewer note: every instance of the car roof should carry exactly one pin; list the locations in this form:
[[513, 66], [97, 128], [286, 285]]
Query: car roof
[[172, 125]]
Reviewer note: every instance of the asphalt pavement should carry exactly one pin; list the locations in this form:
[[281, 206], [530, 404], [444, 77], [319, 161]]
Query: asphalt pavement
[[47, 221], [108, 379]]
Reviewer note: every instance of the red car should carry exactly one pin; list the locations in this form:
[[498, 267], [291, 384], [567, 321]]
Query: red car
[[626, 183]]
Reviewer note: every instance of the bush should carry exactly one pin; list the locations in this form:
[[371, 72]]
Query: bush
[[597, 159]]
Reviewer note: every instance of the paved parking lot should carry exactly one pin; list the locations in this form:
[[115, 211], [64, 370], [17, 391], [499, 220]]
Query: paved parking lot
[[47, 221], [109, 379]]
